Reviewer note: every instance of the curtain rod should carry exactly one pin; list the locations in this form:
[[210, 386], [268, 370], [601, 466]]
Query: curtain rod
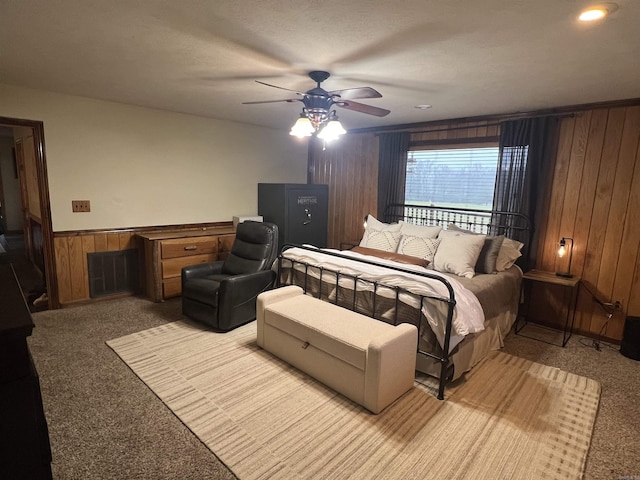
[[494, 124]]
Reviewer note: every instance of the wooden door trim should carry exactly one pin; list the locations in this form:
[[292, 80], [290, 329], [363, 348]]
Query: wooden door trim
[[45, 204]]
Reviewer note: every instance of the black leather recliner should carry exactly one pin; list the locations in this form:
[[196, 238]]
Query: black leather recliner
[[223, 294]]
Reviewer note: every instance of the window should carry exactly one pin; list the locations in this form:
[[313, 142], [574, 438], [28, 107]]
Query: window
[[452, 177]]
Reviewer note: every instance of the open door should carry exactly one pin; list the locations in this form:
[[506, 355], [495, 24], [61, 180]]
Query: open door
[[35, 210], [30, 197]]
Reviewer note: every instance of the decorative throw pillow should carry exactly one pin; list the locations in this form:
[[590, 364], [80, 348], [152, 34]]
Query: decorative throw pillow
[[454, 227], [488, 259], [489, 254], [419, 230], [373, 222], [509, 252], [380, 239], [396, 257], [419, 247], [458, 253]]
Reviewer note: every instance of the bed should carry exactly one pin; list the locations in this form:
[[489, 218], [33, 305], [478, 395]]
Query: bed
[[460, 315]]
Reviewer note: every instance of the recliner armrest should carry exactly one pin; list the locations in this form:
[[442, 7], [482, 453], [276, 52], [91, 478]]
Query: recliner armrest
[[237, 295], [200, 270], [240, 288]]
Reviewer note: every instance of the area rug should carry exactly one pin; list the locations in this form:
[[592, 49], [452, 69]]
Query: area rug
[[508, 418]]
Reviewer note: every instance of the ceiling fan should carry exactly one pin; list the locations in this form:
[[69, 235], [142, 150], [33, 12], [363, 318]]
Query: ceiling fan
[[318, 115]]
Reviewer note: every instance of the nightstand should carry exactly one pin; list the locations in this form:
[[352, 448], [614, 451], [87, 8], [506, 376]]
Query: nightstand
[[571, 286]]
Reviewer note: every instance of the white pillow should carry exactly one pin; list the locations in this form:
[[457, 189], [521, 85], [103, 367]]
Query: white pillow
[[508, 254], [373, 222], [453, 226], [380, 239], [458, 253], [420, 247], [419, 230]]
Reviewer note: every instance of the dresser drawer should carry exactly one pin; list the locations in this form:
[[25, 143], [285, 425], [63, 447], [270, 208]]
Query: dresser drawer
[[185, 247], [166, 253], [173, 266]]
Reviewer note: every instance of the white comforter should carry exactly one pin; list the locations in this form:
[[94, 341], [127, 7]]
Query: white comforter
[[468, 316]]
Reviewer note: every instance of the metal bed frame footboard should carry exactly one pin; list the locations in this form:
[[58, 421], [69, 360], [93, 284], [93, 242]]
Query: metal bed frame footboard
[[304, 268]]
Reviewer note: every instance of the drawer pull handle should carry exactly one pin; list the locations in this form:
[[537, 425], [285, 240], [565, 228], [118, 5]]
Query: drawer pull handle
[[190, 247], [305, 345]]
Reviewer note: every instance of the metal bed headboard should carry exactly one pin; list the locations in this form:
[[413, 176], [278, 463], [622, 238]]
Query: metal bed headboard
[[489, 222]]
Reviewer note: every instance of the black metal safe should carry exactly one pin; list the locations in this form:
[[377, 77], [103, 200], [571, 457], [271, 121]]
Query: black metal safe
[[299, 210]]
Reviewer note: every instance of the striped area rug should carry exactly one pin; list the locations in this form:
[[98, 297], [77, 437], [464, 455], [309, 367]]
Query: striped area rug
[[508, 419]]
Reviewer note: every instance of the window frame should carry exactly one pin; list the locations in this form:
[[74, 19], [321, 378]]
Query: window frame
[[451, 144]]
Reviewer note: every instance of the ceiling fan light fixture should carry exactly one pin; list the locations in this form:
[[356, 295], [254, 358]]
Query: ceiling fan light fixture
[[302, 127], [317, 117]]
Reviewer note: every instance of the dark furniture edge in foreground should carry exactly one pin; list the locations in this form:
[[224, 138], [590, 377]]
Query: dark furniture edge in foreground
[[24, 438]]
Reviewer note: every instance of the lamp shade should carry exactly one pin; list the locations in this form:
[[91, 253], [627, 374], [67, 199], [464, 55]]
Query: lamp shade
[[332, 130], [302, 127]]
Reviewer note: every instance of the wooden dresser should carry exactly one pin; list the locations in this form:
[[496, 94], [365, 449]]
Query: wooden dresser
[[24, 438], [165, 253]]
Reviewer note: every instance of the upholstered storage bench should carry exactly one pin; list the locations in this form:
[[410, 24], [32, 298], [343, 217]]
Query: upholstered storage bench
[[368, 361]]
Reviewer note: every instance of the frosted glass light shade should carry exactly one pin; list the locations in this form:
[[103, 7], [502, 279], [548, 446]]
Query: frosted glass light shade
[[302, 128], [332, 130]]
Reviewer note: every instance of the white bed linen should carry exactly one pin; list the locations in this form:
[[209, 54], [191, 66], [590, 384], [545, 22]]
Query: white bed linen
[[468, 316]]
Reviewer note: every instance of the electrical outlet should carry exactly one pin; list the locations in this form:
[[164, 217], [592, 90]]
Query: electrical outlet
[[80, 206], [617, 305]]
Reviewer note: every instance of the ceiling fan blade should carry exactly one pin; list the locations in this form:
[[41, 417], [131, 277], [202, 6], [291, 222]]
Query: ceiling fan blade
[[362, 108], [290, 100], [355, 93], [281, 88]]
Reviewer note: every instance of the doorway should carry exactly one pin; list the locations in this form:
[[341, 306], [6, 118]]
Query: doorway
[[25, 215]]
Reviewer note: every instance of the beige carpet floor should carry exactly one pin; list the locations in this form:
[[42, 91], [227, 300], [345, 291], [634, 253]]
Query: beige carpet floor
[[510, 418]]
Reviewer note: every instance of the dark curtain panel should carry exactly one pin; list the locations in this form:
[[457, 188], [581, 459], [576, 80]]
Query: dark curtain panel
[[392, 169], [526, 156]]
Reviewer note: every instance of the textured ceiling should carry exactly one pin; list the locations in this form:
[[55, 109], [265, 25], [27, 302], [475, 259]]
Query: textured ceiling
[[464, 57]]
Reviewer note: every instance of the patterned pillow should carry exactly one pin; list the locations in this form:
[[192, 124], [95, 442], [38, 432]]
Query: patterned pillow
[[380, 239], [420, 247]]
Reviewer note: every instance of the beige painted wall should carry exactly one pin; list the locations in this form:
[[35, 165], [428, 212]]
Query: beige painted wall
[[138, 166]]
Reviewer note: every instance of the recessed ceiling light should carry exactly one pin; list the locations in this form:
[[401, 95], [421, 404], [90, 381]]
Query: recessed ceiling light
[[422, 107], [597, 12]]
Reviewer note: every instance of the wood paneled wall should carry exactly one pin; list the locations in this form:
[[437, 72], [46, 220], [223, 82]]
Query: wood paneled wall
[[71, 248], [351, 171], [594, 198]]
